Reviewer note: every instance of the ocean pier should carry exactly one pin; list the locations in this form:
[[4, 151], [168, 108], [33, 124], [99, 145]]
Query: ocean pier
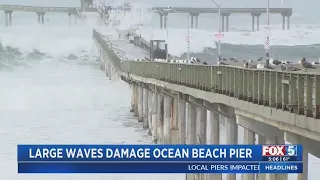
[[40, 12], [225, 14], [172, 100]]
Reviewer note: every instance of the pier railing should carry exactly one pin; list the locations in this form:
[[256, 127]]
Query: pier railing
[[110, 52], [295, 92]]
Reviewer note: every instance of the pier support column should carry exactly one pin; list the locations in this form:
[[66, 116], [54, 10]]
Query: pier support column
[[132, 97], [70, 18], [232, 130], [225, 24], [309, 146], [283, 22], [165, 16], [75, 19], [255, 15], [276, 140], [284, 15], [8, 17], [136, 100], [191, 131], [161, 21], [261, 140], [201, 125], [145, 108], [191, 124], [248, 138], [197, 21], [110, 72], [160, 114], [140, 104], [174, 130], [222, 23], [201, 131], [214, 134], [304, 175], [166, 121], [150, 125], [41, 17], [155, 118], [191, 24], [182, 121], [252, 23], [194, 16]]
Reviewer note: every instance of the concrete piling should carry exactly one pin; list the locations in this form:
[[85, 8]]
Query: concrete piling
[[232, 130], [201, 125], [8, 17], [145, 108], [191, 124], [135, 99], [160, 118], [155, 117], [182, 121], [140, 104], [166, 120], [150, 125], [174, 130]]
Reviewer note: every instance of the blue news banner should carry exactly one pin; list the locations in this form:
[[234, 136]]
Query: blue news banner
[[160, 159]]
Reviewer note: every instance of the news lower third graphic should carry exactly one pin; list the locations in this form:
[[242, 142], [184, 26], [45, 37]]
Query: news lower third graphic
[[160, 158]]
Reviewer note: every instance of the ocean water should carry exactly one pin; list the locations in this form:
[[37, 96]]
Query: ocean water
[[48, 98], [301, 40]]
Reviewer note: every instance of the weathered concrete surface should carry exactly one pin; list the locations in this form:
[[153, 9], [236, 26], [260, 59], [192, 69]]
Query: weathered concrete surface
[[298, 124]]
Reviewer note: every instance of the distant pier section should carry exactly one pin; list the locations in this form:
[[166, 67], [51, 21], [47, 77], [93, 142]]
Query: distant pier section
[[225, 13], [40, 11]]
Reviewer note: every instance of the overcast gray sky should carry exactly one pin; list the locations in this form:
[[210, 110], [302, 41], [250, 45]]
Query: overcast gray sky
[[46, 3]]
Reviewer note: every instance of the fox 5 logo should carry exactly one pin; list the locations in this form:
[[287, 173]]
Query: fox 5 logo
[[276, 150]]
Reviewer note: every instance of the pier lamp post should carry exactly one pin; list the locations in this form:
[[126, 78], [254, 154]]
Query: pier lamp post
[[219, 45], [267, 43], [188, 41]]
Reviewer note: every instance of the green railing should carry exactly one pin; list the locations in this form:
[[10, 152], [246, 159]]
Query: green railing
[[295, 92], [109, 51], [290, 91]]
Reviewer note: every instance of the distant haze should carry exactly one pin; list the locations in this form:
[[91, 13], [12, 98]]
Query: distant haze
[[298, 5], [307, 7], [45, 3]]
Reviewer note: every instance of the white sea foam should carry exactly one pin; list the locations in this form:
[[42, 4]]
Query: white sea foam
[[299, 34], [55, 102], [61, 101]]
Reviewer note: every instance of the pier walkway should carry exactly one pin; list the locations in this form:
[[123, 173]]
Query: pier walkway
[[276, 105]]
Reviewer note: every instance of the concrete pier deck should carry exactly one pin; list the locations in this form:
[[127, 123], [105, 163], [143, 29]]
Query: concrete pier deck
[[224, 10], [131, 51], [38, 8], [276, 105], [225, 13], [40, 11]]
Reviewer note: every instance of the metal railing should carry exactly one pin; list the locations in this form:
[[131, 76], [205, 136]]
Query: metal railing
[[37, 8], [290, 91], [108, 49], [295, 92]]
